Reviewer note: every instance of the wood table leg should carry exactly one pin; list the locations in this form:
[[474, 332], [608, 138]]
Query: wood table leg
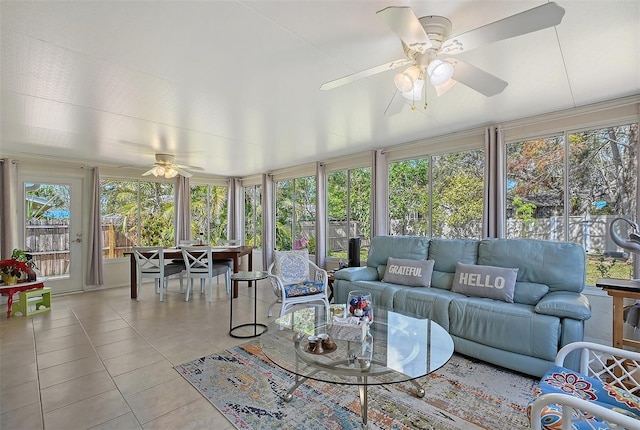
[[618, 321]]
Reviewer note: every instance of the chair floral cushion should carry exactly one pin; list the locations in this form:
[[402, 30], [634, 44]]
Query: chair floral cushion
[[306, 288], [292, 266], [566, 381]]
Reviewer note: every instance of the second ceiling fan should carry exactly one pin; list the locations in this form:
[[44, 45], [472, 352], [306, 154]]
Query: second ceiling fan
[[427, 43]]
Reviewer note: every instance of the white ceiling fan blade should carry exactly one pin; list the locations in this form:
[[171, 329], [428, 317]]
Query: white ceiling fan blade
[[395, 105], [181, 171], [186, 166], [403, 21], [363, 74], [150, 172], [531, 20], [441, 89], [479, 80]]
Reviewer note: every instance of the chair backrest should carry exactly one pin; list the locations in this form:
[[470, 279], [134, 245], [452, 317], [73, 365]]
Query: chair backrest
[[150, 259], [229, 242], [198, 259], [291, 266]]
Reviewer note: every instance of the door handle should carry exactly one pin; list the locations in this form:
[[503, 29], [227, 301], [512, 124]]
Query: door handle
[[78, 238]]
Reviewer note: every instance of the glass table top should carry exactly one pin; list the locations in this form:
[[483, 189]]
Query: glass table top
[[397, 348]]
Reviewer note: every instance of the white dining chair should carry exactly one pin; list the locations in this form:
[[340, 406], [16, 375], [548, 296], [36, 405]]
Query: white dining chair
[[199, 264], [150, 263]]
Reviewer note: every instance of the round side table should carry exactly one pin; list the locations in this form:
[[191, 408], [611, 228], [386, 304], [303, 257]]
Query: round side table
[[249, 277]]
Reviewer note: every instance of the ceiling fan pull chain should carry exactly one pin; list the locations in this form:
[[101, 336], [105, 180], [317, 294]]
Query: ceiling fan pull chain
[[425, 97]]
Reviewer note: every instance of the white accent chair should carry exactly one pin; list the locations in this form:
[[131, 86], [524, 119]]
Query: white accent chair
[[150, 263], [601, 394], [297, 280], [199, 264]]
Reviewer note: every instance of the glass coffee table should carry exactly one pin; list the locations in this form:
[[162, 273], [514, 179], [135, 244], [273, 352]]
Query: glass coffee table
[[398, 348]]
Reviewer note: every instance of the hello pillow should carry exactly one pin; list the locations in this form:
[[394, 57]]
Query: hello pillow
[[485, 281], [413, 273]]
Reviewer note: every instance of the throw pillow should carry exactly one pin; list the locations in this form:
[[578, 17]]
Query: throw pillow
[[291, 266], [485, 281], [413, 273]]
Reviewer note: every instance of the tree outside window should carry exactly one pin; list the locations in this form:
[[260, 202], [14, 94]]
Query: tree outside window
[[296, 214], [348, 211], [253, 216], [601, 185], [209, 212], [448, 206]]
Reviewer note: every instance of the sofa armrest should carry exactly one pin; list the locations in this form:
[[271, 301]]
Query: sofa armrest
[[565, 305], [357, 274]]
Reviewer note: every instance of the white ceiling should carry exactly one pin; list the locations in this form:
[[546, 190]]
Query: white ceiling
[[233, 86]]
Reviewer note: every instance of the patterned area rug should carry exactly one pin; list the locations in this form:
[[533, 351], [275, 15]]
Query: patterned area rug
[[464, 394]]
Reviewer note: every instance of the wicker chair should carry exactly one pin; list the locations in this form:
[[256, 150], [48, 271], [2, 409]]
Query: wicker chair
[[603, 394]]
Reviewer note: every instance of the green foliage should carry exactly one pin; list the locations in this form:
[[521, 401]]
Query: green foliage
[[19, 255], [605, 265], [600, 267]]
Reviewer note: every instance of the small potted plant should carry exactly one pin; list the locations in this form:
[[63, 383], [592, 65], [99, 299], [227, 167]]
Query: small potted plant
[[11, 270]]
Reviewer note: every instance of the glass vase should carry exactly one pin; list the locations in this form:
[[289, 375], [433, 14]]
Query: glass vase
[[360, 305]]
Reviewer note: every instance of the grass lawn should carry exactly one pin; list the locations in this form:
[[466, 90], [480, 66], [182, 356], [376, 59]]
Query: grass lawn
[[598, 267]]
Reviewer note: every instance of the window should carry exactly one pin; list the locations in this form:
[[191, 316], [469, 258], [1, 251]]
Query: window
[[296, 214], [448, 205], [458, 193], [209, 212], [253, 216], [348, 211], [535, 189], [600, 167], [136, 213], [409, 202]]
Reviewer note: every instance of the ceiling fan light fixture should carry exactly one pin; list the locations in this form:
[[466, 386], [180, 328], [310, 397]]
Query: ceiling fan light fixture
[[439, 72], [416, 92], [405, 80], [170, 173]]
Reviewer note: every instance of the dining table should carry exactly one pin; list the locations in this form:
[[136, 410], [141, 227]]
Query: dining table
[[219, 252]]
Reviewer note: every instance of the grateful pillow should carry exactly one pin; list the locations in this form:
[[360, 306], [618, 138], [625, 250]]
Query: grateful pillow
[[413, 273], [485, 281]]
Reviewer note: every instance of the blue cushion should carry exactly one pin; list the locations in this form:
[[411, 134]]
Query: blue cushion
[[562, 380], [305, 288]]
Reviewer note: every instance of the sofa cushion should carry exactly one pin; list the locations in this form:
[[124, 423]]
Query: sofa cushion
[[529, 293], [427, 302], [485, 281], [507, 326], [413, 273], [560, 265], [447, 253], [383, 247], [565, 305], [382, 293]]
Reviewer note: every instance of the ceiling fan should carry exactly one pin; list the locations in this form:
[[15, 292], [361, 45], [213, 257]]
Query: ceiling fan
[[426, 43], [165, 167]]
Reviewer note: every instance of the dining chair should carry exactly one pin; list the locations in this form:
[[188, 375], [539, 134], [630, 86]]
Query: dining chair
[[199, 264], [297, 280], [227, 242], [150, 263]]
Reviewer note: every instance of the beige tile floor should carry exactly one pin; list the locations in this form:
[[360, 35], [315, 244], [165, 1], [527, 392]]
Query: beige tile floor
[[100, 360]]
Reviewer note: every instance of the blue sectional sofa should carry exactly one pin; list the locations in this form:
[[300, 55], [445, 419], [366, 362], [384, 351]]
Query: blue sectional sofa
[[548, 309]]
